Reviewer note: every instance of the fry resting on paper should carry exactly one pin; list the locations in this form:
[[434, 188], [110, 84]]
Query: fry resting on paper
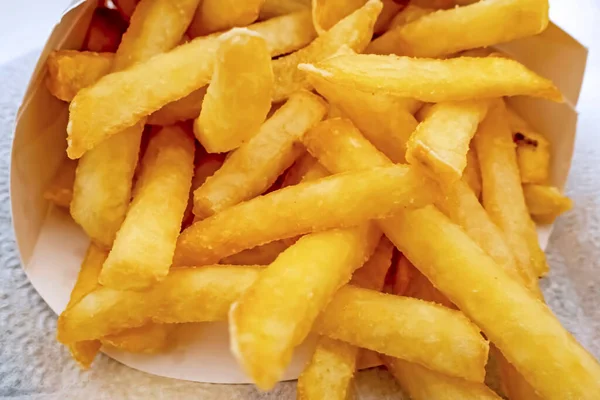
[[545, 203]]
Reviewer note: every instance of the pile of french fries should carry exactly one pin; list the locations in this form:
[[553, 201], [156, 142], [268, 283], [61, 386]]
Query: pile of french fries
[[274, 163]]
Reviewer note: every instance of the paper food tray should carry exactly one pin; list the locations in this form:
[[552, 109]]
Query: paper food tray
[[52, 246]]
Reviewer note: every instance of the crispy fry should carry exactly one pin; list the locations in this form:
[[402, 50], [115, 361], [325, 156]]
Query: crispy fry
[[266, 325], [441, 142], [463, 78], [182, 70], [260, 255], [343, 200], [454, 344], [254, 167], [545, 203], [354, 31], [104, 31], [472, 173], [239, 95], [149, 338], [503, 196], [329, 373], [70, 71], [60, 191], [276, 8], [187, 107], [219, 15], [385, 120], [144, 246], [443, 32], [327, 13], [186, 295], [533, 150], [424, 384]]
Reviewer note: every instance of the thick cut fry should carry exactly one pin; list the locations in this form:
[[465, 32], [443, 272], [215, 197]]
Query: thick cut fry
[[522, 327], [150, 338], [260, 255], [463, 78], [144, 246], [239, 95], [219, 15], [533, 156], [503, 196], [329, 373], [338, 201], [276, 8], [385, 120], [186, 295], [354, 31], [327, 13], [187, 107], [441, 142], [70, 71], [545, 203], [472, 173], [255, 166], [182, 70], [454, 344], [424, 384], [102, 188], [60, 191], [443, 32], [275, 315]]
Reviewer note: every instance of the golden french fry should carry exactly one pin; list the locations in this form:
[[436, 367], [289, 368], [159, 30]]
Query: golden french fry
[[503, 196], [276, 8], [472, 173], [239, 95], [424, 384], [545, 203], [149, 338], [456, 79], [260, 255], [533, 151], [354, 31], [255, 166], [385, 120], [143, 249], [186, 295], [329, 373], [182, 70], [455, 346], [343, 200], [70, 71], [388, 13], [187, 107], [266, 325], [327, 13], [219, 15], [441, 142], [488, 23], [60, 191]]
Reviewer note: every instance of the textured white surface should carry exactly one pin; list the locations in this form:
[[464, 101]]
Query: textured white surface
[[34, 366]]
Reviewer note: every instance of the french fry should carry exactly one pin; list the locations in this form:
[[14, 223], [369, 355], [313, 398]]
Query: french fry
[[545, 203], [260, 255], [472, 173], [182, 70], [102, 189], [456, 79], [143, 249], [186, 295], [354, 31], [419, 286], [255, 166], [533, 150], [443, 32], [150, 338], [455, 346], [70, 71], [343, 201], [266, 325], [441, 142], [385, 120], [304, 165], [330, 371], [219, 15], [60, 191], [327, 13], [385, 42], [104, 31], [388, 12], [424, 384], [503, 196], [239, 95], [513, 383], [205, 168], [406, 273], [276, 8], [187, 107]]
